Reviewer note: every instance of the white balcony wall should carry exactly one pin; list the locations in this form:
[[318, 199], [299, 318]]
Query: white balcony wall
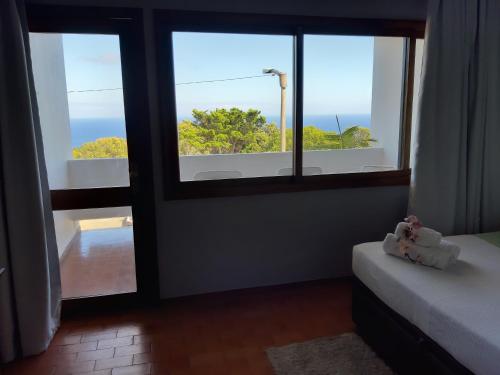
[[50, 85], [386, 96], [92, 173], [270, 163]]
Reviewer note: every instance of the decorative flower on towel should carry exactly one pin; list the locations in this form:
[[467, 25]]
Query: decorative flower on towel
[[404, 248], [411, 233], [414, 221]]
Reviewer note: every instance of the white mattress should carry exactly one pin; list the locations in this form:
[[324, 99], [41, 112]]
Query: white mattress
[[459, 307]]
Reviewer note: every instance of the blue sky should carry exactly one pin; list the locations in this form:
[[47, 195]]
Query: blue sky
[[337, 73], [93, 62]]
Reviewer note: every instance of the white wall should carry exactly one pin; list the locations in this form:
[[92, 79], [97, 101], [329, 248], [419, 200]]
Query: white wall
[[50, 85], [386, 96], [208, 245]]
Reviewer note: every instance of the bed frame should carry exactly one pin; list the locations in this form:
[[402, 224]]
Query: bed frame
[[405, 348]]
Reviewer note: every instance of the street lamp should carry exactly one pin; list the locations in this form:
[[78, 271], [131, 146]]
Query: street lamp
[[283, 82]]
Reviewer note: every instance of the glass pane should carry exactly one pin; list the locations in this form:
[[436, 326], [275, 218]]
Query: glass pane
[[234, 104], [78, 81], [352, 102], [96, 251]]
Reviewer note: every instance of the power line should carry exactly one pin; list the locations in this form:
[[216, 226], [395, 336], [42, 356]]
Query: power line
[[116, 88], [180, 83], [222, 80]]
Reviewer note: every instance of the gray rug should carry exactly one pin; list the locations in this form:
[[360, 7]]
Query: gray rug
[[345, 354]]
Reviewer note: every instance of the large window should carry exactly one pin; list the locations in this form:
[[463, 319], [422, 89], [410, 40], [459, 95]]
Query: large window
[[284, 103]]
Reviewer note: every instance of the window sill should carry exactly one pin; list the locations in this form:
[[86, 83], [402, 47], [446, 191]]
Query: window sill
[[284, 184]]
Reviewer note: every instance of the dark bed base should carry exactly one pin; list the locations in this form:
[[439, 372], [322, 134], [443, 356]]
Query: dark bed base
[[401, 344]]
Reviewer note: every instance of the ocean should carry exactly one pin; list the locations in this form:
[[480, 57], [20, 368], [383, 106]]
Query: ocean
[[329, 122], [88, 130]]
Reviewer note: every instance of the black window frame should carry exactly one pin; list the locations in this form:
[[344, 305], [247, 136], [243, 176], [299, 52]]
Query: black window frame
[[167, 22]]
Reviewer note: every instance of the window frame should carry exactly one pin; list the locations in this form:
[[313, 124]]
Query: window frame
[[167, 22]]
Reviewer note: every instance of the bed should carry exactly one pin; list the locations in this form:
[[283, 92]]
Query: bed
[[423, 320]]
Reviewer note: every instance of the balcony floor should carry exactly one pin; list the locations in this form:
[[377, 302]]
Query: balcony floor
[[99, 262]]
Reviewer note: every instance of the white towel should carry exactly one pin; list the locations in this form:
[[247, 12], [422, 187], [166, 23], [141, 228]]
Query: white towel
[[438, 257], [426, 237]]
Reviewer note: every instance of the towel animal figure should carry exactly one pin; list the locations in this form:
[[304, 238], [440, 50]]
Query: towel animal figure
[[418, 244], [413, 231]]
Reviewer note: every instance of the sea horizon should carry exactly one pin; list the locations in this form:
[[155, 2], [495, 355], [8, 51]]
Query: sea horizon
[[85, 130]]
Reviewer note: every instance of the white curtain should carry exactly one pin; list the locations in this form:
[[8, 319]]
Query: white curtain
[[456, 186], [30, 288]]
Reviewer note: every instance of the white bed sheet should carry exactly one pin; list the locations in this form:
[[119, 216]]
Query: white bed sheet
[[459, 307]]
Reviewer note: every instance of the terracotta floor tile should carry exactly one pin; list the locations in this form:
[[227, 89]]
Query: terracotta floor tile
[[96, 354], [223, 333], [144, 369], [67, 339], [98, 372], [134, 330], [133, 349], [54, 358], [113, 343], [139, 339], [76, 367], [102, 364], [142, 358], [97, 337], [207, 359], [99, 262], [74, 348], [19, 368]]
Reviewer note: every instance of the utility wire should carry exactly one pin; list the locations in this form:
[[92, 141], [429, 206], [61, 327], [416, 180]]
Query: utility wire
[[116, 88], [223, 80], [180, 83]]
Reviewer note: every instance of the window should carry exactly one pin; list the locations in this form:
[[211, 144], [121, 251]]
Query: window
[[352, 103], [256, 104], [78, 80], [229, 102]]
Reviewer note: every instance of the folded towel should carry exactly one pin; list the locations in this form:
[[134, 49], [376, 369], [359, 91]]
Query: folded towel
[[422, 236], [438, 257]]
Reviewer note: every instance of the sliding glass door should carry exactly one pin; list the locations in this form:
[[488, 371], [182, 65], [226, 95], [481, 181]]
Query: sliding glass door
[[91, 93]]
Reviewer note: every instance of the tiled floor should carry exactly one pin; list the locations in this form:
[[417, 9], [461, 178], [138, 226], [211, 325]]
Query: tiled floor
[[223, 333], [100, 262]]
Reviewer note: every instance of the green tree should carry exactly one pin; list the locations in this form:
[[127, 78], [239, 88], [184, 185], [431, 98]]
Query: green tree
[[357, 137], [231, 131], [110, 147]]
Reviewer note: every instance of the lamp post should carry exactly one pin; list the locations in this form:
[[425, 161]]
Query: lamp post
[[283, 82]]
